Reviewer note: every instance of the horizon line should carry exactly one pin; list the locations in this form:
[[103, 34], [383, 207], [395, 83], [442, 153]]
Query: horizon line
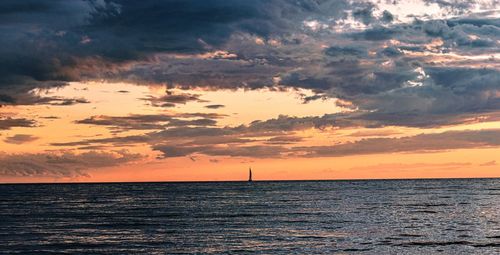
[[246, 181]]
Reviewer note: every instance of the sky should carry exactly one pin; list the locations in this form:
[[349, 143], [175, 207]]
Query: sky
[[188, 90]]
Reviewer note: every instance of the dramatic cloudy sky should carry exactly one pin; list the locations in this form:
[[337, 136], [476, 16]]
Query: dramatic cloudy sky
[[121, 90]]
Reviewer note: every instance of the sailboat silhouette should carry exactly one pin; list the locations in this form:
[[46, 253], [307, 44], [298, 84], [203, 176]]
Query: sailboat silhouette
[[249, 174]]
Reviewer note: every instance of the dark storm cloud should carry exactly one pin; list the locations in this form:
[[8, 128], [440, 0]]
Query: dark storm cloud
[[390, 52], [194, 26], [60, 165], [346, 52], [394, 88], [459, 34], [218, 44], [196, 72], [52, 42], [449, 92], [466, 34], [376, 34], [387, 16], [37, 48], [347, 75], [364, 13], [7, 99]]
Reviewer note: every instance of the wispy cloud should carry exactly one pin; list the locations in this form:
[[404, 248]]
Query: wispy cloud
[[20, 139], [7, 123], [151, 121], [214, 106], [420, 143], [411, 167], [386, 65], [62, 164], [489, 163]]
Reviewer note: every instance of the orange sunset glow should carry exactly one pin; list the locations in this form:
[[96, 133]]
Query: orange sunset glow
[[405, 90]]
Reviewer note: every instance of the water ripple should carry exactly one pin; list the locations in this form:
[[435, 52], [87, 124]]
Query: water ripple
[[322, 217]]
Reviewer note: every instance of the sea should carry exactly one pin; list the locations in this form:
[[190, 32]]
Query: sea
[[438, 216]]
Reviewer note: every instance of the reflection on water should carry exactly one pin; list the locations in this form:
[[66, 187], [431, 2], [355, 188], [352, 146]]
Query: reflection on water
[[345, 217]]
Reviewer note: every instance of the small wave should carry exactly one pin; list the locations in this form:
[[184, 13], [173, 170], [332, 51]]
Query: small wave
[[428, 205], [433, 243], [410, 235], [493, 237], [357, 249], [448, 243], [486, 245], [423, 211]]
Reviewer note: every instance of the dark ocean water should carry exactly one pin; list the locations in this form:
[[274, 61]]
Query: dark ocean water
[[306, 217]]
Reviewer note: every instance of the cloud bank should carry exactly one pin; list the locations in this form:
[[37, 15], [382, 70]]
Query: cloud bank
[[61, 165], [434, 66], [439, 61]]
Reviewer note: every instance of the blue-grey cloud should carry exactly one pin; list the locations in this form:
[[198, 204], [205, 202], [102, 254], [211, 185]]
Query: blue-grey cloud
[[256, 44], [57, 41]]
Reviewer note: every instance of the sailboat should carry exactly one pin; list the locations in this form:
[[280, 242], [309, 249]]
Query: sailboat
[[249, 174]]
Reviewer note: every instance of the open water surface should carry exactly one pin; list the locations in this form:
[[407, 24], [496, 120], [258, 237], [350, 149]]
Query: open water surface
[[455, 216]]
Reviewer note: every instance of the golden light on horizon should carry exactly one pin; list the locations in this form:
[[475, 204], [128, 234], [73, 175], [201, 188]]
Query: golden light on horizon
[[323, 90]]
